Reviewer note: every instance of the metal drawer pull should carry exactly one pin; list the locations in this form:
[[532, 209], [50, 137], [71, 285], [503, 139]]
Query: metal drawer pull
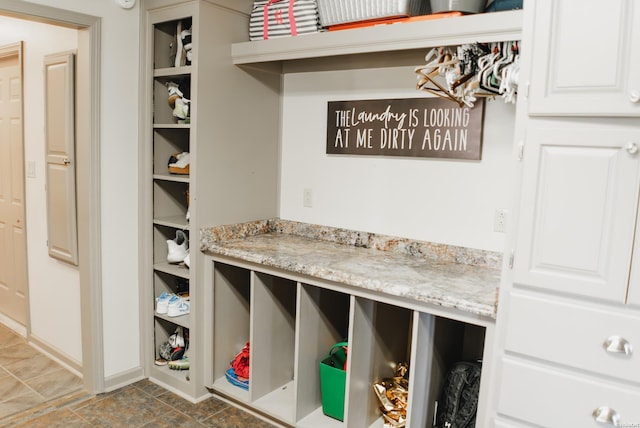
[[606, 415], [634, 96], [632, 148], [617, 345]]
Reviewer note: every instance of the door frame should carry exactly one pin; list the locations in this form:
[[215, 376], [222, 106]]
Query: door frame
[[88, 173]]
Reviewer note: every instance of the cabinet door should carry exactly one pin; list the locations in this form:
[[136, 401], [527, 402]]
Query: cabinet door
[[578, 209], [586, 58]]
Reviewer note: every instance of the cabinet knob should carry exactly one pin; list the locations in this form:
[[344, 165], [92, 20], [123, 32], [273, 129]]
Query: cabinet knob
[[632, 148], [606, 415], [618, 345], [634, 96]]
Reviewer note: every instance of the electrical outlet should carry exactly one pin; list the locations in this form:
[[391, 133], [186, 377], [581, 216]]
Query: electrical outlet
[[500, 220], [307, 198]]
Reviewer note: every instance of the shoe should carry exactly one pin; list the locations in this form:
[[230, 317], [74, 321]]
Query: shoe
[[182, 364], [178, 248], [178, 307], [185, 37], [180, 57], [162, 302], [187, 260]]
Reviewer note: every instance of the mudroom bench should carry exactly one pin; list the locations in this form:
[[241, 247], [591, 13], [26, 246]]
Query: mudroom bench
[[293, 289]]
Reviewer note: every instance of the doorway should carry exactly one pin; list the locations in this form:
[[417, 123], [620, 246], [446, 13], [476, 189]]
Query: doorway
[[88, 179], [13, 244]]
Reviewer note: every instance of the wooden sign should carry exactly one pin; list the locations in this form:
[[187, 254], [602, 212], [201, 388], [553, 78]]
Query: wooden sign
[[415, 127]]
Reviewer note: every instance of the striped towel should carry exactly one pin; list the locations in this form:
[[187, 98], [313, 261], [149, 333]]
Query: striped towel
[[281, 18]]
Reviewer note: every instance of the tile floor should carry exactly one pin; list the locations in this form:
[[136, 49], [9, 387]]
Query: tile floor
[[37, 392]]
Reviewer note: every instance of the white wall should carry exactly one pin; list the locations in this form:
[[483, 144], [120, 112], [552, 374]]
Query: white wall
[[445, 201], [119, 181], [54, 287]]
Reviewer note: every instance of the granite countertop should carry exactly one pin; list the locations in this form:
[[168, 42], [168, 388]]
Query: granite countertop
[[453, 277]]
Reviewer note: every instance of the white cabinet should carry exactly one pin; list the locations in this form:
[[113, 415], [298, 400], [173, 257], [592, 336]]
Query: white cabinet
[[585, 58], [569, 309], [553, 398], [577, 216]]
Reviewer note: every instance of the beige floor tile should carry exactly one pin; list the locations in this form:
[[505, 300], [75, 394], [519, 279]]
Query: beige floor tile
[[19, 403], [32, 367], [55, 384]]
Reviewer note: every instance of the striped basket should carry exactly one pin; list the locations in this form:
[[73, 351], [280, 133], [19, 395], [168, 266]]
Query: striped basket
[[281, 18], [334, 12]]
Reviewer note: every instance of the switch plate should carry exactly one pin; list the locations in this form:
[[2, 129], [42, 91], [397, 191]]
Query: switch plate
[[31, 169], [307, 198]]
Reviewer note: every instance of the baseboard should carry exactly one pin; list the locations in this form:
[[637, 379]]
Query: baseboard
[[64, 360], [15, 326], [179, 393], [117, 381]]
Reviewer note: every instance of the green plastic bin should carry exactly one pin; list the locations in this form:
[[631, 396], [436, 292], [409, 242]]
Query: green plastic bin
[[333, 380]]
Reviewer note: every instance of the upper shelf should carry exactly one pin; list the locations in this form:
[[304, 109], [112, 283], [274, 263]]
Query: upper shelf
[[484, 27]]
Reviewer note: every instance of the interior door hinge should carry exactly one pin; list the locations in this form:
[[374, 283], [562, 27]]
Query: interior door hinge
[[520, 150], [511, 256]]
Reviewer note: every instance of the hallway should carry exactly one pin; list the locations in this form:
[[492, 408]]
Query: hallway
[[28, 378], [37, 392]]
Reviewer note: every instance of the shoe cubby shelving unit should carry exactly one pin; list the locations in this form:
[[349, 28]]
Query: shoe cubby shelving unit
[[232, 172], [292, 324]]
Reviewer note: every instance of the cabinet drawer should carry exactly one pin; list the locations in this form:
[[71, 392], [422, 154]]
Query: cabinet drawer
[[554, 398], [573, 335]]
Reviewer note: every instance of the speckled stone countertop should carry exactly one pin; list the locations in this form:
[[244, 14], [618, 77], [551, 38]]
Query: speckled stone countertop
[[453, 277]]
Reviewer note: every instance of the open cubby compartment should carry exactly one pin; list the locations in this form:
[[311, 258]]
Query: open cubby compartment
[[162, 111], [170, 201], [161, 234], [273, 326], [164, 35], [380, 338], [166, 143], [165, 282], [231, 323], [323, 320], [452, 341], [163, 329]]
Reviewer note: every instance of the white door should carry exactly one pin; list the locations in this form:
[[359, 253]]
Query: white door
[[586, 58], [13, 254], [578, 210]]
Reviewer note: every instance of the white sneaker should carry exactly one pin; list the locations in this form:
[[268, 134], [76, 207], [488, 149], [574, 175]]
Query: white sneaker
[[178, 248], [178, 307], [162, 302], [187, 260]]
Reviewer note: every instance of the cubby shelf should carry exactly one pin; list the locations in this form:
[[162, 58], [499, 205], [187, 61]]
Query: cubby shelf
[[175, 270], [485, 27], [291, 325]]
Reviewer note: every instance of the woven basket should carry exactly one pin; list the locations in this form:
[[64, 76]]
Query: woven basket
[[334, 12]]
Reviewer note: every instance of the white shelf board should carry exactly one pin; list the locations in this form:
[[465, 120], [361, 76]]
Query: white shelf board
[[178, 178], [317, 419], [484, 27], [222, 386], [279, 403], [175, 270], [171, 125], [177, 221], [182, 320], [172, 71]]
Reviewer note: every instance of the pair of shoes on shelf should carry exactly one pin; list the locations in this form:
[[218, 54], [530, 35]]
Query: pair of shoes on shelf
[[184, 47], [178, 102], [181, 364], [178, 249], [172, 305]]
